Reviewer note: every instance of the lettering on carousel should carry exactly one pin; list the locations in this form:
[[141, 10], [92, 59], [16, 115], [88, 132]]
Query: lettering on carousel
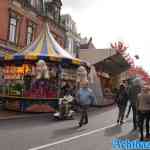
[[13, 72]]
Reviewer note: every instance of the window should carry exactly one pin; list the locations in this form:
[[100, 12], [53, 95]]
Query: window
[[56, 13], [32, 2], [30, 32], [12, 29], [37, 4]]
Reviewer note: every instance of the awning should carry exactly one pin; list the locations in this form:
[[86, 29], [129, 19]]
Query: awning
[[113, 65], [44, 47], [94, 56], [106, 60]]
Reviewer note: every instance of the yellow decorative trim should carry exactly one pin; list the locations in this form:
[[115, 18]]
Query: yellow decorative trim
[[55, 59], [31, 57], [76, 61], [8, 57]]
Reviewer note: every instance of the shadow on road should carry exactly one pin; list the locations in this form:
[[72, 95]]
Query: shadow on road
[[45, 120], [67, 131], [113, 131], [98, 110], [132, 135]]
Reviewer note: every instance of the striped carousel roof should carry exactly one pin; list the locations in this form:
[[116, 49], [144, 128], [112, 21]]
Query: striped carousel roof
[[44, 47]]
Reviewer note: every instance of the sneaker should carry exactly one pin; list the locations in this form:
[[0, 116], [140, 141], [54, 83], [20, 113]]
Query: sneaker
[[80, 124], [141, 139], [121, 122], [147, 136], [127, 116], [85, 122], [117, 121]]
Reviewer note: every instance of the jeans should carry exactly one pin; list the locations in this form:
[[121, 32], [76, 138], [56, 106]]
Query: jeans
[[129, 109], [142, 117], [84, 115], [134, 111], [121, 113]]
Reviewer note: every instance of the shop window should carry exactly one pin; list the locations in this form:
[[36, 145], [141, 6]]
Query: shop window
[[13, 29]]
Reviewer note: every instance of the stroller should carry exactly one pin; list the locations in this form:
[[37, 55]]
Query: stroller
[[65, 108]]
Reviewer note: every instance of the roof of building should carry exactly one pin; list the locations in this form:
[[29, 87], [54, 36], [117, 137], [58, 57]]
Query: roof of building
[[107, 59], [87, 45], [94, 56]]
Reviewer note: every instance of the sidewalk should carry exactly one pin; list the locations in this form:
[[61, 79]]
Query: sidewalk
[[5, 115]]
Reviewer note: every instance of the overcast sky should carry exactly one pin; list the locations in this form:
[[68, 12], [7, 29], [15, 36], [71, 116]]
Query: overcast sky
[[113, 20]]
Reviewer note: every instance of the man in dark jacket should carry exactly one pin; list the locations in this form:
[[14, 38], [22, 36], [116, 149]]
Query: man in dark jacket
[[121, 100], [134, 90]]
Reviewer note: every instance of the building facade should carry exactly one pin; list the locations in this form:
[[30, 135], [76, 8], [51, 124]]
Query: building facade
[[23, 20], [72, 42]]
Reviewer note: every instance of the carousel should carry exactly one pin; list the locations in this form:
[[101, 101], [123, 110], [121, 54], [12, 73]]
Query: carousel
[[33, 79]]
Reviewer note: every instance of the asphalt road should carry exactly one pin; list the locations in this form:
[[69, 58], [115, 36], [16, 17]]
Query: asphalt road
[[45, 134]]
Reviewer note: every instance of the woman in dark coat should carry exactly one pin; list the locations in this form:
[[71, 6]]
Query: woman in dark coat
[[143, 107], [121, 100]]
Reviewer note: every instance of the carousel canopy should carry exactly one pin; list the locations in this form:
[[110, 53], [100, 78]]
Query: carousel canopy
[[44, 47]]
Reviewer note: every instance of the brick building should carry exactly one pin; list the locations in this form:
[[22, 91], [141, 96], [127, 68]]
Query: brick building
[[22, 20]]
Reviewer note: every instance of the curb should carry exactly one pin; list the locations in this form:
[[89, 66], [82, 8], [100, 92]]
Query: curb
[[41, 114], [25, 116]]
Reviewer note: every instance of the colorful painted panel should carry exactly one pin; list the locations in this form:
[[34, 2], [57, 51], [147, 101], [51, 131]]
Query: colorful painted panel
[[13, 105], [40, 106], [32, 105]]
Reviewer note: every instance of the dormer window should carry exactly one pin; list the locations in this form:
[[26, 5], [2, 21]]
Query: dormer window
[[53, 8], [32, 2], [56, 13]]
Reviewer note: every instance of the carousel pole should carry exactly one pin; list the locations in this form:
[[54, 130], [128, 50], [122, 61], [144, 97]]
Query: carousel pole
[[59, 80]]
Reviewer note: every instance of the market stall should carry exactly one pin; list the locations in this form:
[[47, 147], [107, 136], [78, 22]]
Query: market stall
[[32, 80]]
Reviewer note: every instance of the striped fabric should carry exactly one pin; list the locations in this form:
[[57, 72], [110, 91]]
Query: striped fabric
[[44, 47]]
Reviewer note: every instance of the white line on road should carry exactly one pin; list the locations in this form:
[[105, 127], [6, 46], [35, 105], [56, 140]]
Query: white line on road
[[72, 138]]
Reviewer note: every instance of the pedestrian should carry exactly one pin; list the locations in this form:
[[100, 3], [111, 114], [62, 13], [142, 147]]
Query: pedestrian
[[129, 110], [121, 100], [134, 90], [84, 98], [143, 107], [129, 102]]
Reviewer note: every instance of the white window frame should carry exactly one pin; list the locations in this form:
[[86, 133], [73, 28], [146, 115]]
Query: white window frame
[[13, 29], [29, 34]]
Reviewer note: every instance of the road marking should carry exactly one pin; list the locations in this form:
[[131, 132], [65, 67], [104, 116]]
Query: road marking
[[72, 138]]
